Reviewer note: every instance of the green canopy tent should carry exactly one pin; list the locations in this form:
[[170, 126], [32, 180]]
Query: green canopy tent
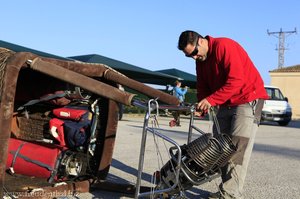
[[17, 48], [188, 79], [131, 71]]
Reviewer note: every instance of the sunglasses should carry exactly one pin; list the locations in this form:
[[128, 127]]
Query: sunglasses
[[195, 51]]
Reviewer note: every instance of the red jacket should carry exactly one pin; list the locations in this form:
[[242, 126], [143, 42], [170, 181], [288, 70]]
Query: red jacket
[[228, 76]]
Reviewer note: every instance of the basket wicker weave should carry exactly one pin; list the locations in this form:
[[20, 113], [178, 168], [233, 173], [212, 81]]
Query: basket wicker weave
[[32, 125]]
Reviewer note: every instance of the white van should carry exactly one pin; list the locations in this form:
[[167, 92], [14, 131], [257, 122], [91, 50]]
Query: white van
[[276, 108]]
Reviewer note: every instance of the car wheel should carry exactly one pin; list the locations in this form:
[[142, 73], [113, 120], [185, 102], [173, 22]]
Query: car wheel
[[284, 123]]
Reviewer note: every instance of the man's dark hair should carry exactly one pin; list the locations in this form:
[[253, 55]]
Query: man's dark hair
[[188, 37]]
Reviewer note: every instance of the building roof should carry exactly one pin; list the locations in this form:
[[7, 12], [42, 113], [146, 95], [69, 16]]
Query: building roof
[[131, 71], [295, 68], [188, 79]]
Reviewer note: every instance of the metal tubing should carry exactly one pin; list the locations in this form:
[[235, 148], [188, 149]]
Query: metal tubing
[[178, 166], [190, 127], [142, 152], [83, 81], [102, 70], [147, 90], [207, 178], [142, 155]]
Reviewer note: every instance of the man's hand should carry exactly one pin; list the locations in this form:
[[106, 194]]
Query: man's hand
[[198, 114], [203, 105]]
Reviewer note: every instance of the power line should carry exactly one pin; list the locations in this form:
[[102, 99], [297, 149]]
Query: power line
[[281, 46]]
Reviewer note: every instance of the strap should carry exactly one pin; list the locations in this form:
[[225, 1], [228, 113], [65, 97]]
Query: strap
[[42, 99], [32, 161], [258, 109], [11, 168]]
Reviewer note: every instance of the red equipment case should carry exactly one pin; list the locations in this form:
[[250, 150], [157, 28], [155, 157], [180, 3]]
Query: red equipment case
[[32, 159]]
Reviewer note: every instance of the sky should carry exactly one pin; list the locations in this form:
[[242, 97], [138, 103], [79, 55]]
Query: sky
[[145, 33]]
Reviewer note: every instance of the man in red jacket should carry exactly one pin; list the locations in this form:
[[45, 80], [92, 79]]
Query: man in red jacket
[[227, 79]]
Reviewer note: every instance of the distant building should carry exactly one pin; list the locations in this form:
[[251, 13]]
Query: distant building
[[288, 80]]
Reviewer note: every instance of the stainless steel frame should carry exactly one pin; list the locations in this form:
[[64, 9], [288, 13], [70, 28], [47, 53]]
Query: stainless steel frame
[[152, 107]]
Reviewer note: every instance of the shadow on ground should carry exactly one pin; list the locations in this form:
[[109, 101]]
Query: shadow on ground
[[194, 192]]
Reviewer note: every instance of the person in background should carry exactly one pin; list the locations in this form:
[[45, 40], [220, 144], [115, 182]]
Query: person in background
[[121, 106], [227, 79], [179, 93]]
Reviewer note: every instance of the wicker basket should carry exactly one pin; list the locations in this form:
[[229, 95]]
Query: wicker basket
[[33, 127]]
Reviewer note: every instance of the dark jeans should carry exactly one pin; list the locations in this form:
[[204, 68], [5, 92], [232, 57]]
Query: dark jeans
[[176, 115]]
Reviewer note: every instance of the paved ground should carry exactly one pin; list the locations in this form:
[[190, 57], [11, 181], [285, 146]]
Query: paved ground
[[273, 171]]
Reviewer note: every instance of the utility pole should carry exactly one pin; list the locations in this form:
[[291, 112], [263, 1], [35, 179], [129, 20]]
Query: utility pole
[[281, 48]]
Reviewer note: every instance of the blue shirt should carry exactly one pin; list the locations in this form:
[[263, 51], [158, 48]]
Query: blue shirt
[[179, 93]]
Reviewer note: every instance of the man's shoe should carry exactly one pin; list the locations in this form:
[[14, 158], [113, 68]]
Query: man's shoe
[[172, 123], [215, 195], [219, 195]]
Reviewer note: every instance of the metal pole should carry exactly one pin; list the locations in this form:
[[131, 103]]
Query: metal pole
[[142, 154]]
